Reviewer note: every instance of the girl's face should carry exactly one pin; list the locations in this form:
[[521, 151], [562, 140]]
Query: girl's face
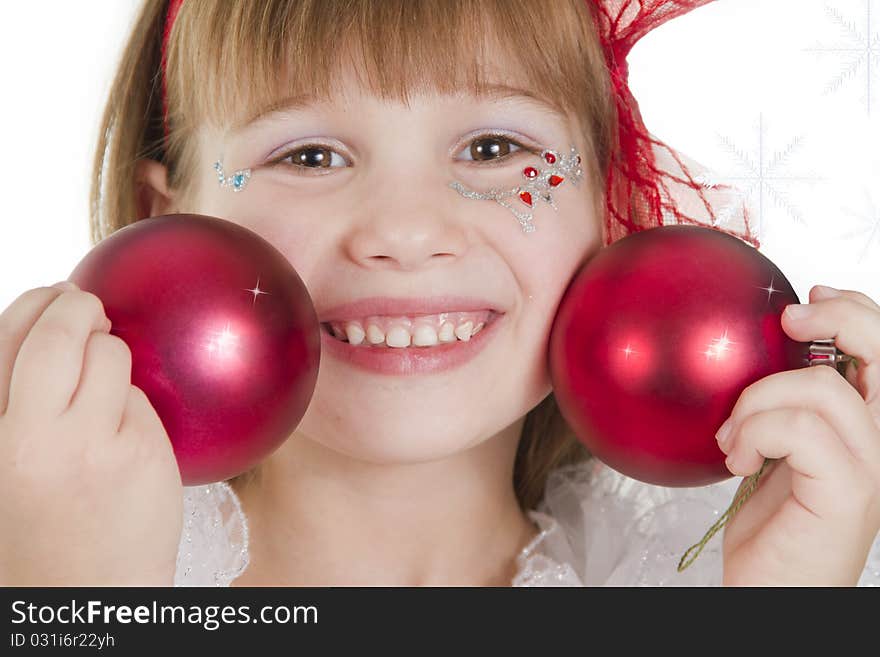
[[357, 197]]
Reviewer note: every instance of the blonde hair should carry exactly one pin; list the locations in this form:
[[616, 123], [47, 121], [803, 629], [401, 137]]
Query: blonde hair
[[227, 61]]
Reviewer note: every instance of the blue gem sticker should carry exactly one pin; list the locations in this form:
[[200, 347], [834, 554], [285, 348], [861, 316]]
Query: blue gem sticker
[[237, 180]]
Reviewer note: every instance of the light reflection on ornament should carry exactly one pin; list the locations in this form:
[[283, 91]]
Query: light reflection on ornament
[[224, 343], [770, 290], [719, 347], [718, 357], [256, 291], [634, 361]]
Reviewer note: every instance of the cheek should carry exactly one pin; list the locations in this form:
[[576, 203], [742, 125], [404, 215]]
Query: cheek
[[554, 260], [544, 273], [551, 256], [269, 217]]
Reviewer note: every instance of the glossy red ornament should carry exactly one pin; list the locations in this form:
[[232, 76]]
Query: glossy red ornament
[[654, 341], [224, 338]]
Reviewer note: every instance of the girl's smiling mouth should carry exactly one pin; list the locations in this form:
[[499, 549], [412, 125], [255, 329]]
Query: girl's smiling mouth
[[413, 349], [415, 331]]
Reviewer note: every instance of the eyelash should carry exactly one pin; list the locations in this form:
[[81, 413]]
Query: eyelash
[[304, 170]]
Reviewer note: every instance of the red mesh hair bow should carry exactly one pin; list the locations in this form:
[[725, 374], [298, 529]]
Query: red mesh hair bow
[[648, 184]]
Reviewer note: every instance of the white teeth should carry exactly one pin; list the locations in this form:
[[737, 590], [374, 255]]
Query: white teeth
[[463, 331], [424, 336], [375, 334], [354, 332], [447, 332], [403, 334], [398, 336]]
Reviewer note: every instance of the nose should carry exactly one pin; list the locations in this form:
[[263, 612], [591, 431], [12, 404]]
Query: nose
[[406, 222]]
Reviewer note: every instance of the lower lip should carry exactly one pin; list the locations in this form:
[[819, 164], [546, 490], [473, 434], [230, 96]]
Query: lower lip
[[404, 361]]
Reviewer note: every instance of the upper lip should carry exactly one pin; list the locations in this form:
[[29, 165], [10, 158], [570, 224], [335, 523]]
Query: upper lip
[[397, 306]]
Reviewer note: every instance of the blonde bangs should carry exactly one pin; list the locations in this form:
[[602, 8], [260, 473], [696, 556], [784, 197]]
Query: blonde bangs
[[231, 61]]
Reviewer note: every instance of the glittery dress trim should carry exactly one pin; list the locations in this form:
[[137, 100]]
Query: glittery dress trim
[[213, 547], [596, 528]]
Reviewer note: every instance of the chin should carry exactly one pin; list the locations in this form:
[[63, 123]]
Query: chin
[[387, 440], [385, 420]]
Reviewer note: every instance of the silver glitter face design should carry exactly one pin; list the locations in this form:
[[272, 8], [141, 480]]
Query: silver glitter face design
[[237, 180], [538, 185]]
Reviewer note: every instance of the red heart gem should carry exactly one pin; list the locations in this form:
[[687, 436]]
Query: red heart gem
[[555, 180], [526, 198]]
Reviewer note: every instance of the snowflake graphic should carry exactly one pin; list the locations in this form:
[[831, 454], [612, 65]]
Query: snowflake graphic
[[868, 223], [762, 178], [861, 49]]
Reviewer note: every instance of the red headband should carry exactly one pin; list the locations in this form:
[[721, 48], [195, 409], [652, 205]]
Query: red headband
[[639, 193], [170, 17]]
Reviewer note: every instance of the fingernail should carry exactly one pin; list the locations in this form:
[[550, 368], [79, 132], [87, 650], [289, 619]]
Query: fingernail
[[65, 285], [798, 310], [827, 292], [728, 463], [723, 433]]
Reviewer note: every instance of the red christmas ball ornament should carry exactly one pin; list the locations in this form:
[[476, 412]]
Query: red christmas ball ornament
[[654, 341], [223, 335]]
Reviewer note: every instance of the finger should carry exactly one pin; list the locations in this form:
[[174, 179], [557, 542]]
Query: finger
[[769, 492], [49, 363], [823, 471], [854, 326], [820, 292], [852, 373], [856, 331], [822, 390], [139, 417], [104, 385], [16, 322], [141, 426]]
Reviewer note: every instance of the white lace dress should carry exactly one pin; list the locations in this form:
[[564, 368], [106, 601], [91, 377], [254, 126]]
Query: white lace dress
[[598, 528]]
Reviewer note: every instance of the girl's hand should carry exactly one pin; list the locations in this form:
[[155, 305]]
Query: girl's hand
[[816, 511], [90, 492]]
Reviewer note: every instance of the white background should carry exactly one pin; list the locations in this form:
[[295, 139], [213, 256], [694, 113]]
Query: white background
[[781, 97]]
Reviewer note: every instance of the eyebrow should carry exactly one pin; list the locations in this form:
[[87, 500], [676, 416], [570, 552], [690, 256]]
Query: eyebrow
[[493, 92]]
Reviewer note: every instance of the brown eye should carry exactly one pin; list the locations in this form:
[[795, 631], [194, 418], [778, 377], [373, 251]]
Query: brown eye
[[311, 157], [492, 147]]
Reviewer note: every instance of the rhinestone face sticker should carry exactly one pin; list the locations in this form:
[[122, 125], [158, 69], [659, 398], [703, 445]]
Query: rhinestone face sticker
[[237, 180], [537, 184]]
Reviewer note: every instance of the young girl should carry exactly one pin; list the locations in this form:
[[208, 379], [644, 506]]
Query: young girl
[[378, 145]]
